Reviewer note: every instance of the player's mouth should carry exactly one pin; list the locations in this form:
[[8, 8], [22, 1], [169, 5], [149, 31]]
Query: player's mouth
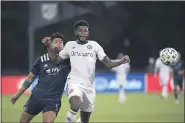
[[82, 38]]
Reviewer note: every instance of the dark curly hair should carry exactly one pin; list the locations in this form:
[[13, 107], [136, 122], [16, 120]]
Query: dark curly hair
[[80, 23], [57, 35]]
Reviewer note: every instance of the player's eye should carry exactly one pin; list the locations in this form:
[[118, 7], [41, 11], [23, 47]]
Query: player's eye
[[85, 30]]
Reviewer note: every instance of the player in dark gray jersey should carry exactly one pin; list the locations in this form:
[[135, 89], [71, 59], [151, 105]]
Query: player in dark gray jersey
[[178, 76], [47, 94]]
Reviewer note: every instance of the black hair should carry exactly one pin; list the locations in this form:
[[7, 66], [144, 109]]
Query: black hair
[[80, 23], [57, 35]]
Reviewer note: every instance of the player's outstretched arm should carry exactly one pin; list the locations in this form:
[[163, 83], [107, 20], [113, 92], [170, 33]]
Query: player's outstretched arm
[[24, 87], [114, 63]]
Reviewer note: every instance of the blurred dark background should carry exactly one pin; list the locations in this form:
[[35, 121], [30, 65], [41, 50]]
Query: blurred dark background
[[139, 29]]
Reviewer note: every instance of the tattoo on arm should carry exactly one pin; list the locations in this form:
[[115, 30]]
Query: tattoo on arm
[[27, 83]]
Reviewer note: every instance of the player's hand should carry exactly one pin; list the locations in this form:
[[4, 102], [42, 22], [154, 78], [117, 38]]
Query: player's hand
[[125, 59], [46, 41], [14, 98]]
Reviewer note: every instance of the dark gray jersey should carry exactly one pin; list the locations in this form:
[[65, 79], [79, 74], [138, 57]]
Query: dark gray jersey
[[52, 77]]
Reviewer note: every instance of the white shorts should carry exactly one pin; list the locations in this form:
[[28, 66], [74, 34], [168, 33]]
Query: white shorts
[[87, 96], [164, 79], [121, 79]]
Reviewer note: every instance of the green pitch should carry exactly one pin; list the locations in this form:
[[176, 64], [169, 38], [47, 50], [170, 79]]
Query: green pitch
[[137, 108]]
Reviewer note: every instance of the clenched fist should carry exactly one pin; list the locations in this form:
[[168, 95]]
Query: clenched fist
[[125, 59], [46, 41], [14, 98]]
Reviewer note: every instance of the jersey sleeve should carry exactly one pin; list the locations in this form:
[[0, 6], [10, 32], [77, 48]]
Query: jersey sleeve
[[36, 67], [100, 52], [64, 54]]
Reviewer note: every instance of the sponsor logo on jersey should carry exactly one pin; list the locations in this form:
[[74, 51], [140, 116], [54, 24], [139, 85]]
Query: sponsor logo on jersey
[[52, 71], [76, 53]]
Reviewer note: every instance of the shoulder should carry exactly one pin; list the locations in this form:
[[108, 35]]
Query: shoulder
[[43, 58], [94, 44], [70, 43]]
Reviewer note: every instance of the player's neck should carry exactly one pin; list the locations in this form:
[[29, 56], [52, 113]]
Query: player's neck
[[82, 42], [51, 53]]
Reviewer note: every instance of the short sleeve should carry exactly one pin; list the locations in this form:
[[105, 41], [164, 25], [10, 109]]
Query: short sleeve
[[64, 54], [36, 67], [100, 52]]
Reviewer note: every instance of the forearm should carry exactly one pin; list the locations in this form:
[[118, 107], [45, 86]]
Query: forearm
[[24, 87], [111, 63], [114, 63]]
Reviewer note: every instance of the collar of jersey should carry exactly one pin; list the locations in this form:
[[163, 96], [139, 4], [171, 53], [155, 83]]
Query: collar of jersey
[[82, 42]]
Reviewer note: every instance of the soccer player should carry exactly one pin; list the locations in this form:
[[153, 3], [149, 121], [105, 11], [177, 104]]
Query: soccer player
[[83, 54], [178, 76], [164, 76], [121, 73], [46, 96]]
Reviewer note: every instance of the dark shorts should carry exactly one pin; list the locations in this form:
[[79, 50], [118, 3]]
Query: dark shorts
[[178, 82], [35, 105]]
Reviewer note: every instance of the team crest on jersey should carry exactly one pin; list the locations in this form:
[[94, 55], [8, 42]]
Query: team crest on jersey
[[89, 47]]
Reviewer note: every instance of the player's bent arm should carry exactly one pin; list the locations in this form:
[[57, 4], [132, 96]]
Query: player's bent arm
[[26, 84], [111, 63]]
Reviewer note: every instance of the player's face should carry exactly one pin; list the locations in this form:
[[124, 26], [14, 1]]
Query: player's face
[[57, 44], [82, 33]]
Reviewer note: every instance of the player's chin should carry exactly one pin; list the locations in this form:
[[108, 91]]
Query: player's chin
[[58, 49], [83, 38]]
